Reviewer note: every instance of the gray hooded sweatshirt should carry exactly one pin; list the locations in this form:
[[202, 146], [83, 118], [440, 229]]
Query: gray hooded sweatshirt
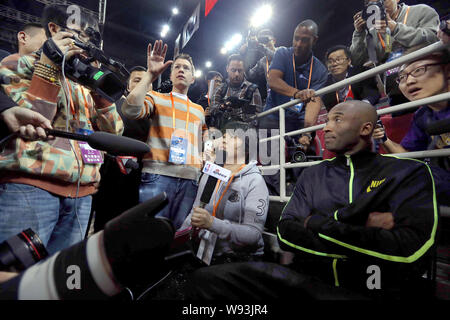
[[241, 214], [421, 27]]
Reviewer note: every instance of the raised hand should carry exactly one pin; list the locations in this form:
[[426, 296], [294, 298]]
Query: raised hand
[[155, 59]]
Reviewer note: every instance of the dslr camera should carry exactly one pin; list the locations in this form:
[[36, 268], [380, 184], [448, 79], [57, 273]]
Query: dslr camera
[[372, 7], [235, 109], [21, 251]]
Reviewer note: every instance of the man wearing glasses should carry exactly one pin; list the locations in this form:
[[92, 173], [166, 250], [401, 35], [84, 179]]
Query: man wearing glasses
[[417, 80], [339, 65], [421, 79]]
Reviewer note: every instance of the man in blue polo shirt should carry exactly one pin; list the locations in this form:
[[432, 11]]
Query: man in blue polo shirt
[[292, 71], [294, 74]]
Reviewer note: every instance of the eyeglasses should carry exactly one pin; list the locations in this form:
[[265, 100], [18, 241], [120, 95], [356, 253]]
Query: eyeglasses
[[417, 72], [338, 61]]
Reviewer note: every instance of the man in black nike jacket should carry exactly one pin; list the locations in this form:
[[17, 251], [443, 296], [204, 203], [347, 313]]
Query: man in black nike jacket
[[362, 225]]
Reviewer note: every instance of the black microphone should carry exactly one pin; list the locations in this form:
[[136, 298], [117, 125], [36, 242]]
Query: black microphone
[[208, 191], [111, 143], [438, 127]]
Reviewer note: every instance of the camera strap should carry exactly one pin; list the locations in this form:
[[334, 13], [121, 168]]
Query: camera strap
[[51, 50]]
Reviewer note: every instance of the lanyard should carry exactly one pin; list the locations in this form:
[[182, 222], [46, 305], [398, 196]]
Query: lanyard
[[388, 38], [173, 113], [346, 96], [72, 105], [215, 205], [295, 74]]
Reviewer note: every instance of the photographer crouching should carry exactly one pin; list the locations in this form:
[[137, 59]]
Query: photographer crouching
[[47, 185]]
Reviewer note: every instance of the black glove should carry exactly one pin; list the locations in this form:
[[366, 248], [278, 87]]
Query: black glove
[[136, 242]]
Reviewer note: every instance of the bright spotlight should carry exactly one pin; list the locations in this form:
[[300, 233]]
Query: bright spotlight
[[198, 73], [164, 31], [261, 16], [208, 64], [236, 39], [223, 50], [175, 11]]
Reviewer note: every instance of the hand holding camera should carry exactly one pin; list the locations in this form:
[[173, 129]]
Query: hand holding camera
[[63, 43], [359, 22]]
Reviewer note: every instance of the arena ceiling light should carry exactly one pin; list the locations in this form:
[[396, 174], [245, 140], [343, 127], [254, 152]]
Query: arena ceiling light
[[175, 11], [261, 16], [208, 64], [235, 40], [198, 73], [164, 31]]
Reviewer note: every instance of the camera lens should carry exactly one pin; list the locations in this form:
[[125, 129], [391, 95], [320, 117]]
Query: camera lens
[[21, 251], [299, 156]]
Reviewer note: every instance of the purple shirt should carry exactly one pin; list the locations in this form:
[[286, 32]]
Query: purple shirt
[[417, 139]]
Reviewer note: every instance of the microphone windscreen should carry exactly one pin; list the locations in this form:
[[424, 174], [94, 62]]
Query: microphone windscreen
[[117, 145], [208, 190], [438, 127]]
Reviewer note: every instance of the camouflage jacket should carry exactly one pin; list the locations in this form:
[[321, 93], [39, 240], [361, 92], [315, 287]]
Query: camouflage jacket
[[53, 160]]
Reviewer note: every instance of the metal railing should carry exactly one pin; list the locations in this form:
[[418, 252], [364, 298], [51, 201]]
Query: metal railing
[[339, 85]]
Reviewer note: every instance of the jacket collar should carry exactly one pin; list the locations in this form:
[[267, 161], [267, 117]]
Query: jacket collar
[[360, 159]]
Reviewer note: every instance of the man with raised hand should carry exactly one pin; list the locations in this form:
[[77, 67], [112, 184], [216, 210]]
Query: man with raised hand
[[174, 162]]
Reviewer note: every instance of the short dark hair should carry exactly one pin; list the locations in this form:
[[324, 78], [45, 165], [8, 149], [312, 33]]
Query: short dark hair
[[310, 24], [31, 25], [29, 28], [137, 68], [336, 48], [444, 54], [235, 57], [184, 56], [212, 74], [249, 134], [57, 13]]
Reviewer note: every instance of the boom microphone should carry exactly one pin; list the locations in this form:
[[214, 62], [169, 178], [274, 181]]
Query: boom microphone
[[111, 143], [438, 127], [103, 141]]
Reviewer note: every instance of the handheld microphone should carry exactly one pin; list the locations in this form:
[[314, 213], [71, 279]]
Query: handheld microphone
[[208, 191], [438, 127]]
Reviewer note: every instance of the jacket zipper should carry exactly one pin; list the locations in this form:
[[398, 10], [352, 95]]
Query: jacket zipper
[[350, 200]]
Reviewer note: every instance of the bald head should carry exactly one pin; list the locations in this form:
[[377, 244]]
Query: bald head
[[362, 111], [350, 126]]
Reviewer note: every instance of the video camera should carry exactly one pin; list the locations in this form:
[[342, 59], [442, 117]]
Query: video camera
[[109, 82], [235, 109]]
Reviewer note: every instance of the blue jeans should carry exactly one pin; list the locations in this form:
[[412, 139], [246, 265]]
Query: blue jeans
[[181, 194], [52, 217]]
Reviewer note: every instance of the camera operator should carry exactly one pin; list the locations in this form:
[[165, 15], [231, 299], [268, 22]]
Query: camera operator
[[228, 98], [47, 185], [259, 72], [401, 27]]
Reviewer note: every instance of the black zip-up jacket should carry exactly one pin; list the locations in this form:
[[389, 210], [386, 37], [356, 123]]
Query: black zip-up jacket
[[339, 194]]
